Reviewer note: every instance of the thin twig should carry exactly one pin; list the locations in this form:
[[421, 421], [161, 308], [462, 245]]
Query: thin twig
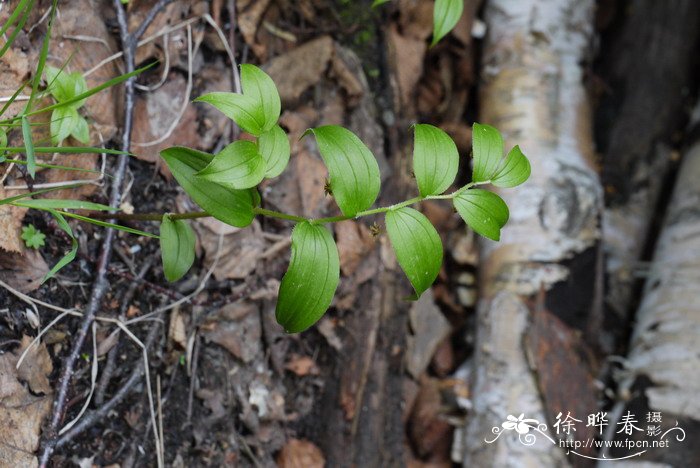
[[153, 12], [101, 284], [185, 98], [109, 366], [92, 417]]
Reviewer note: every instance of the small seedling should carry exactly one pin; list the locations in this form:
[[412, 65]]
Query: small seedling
[[65, 120], [32, 237]]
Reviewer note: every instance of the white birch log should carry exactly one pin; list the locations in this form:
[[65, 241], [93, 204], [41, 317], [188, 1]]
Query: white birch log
[[665, 348], [533, 93]]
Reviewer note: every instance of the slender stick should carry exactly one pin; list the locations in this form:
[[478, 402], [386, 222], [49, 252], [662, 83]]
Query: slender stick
[[285, 216], [101, 283]]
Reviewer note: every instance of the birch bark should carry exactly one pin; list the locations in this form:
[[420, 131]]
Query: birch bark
[[533, 93]]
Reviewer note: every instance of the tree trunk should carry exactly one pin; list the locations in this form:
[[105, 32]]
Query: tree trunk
[[649, 69], [533, 93], [664, 358]]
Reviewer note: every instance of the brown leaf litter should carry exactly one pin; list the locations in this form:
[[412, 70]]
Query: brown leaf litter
[[22, 405]]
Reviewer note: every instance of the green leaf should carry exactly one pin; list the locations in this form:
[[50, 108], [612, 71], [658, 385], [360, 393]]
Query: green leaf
[[24, 10], [33, 238], [353, 170], [65, 149], [483, 211], [256, 110], [41, 63], [3, 139], [8, 200], [68, 257], [239, 166], [81, 131], [52, 166], [63, 120], [241, 109], [177, 241], [275, 150], [29, 146], [65, 86], [259, 86], [435, 160], [13, 98], [19, 9], [86, 94], [106, 224], [417, 246], [377, 3], [487, 145], [234, 207], [308, 287], [514, 171], [58, 204], [446, 14]]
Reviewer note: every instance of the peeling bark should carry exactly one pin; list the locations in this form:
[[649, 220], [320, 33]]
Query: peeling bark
[[533, 93], [664, 358], [650, 70]]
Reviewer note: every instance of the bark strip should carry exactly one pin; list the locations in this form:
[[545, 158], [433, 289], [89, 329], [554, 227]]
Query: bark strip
[[533, 93]]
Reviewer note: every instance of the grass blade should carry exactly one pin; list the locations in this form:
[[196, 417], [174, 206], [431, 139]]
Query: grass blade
[[13, 17], [12, 199], [65, 149], [29, 146], [20, 25], [55, 166], [95, 90], [70, 256], [13, 98], [97, 222], [42, 58], [59, 204]]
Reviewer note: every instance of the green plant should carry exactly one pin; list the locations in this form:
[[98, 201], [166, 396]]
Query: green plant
[[70, 92], [446, 14], [32, 237], [65, 120], [223, 185]]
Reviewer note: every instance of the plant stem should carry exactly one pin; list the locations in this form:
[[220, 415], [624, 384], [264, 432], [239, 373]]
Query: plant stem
[[277, 214], [285, 216], [148, 216]]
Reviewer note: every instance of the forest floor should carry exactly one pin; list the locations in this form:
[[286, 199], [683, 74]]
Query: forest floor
[[227, 387]]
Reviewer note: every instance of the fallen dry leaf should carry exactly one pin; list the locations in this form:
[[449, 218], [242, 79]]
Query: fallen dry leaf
[[80, 19], [155, 113], [249, 17], [416, 18], [236, 327], [14, 71], [23, 271], [430, 328], [300, 454], [177, 331], [427, 429], [240, 249], [298, 70], [36, 367], [10, 223], [354, 242], [172, 14], [407, 55], [302, 365], [21, 413], [78, 161]]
